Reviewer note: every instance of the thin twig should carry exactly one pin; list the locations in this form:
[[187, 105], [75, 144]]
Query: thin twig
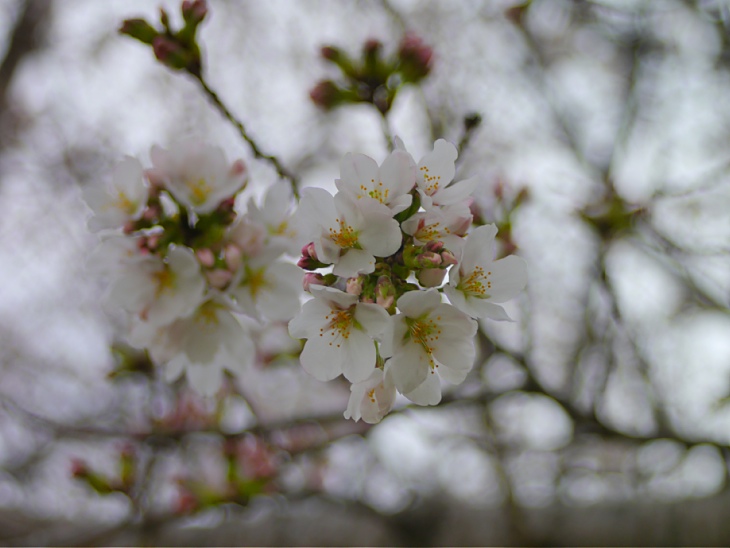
[[273, 160]]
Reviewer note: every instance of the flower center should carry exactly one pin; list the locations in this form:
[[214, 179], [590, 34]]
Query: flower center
[[346, 237], [207, 312], [431, 182], [124, 203], [476, 284], [255, 280], [199, 191], [164, 280], [430, 232], [425, 332], [378, 192], [339, 325]]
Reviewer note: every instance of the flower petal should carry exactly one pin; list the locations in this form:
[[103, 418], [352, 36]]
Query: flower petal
[[358, 361], [416, 303], [354, 262], [409, 367], [509, 277], [427, 393]]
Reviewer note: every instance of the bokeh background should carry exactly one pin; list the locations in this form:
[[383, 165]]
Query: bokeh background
[[599, 417]]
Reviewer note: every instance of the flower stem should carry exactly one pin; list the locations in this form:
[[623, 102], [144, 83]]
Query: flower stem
[[386, 131], [273, 160]]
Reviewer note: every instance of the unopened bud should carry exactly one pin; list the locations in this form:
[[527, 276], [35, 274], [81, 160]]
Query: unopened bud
[[232, 255], [309, 250], [415, 58], [354, 285], [448, 258], [331, 53], [326, 95], [169, 52], [194, 11], [219, 278], [428, 259], [79, 469], [385, 292], [435, 246], [205, 257], [139, 29], [431, 277], [312, 278]]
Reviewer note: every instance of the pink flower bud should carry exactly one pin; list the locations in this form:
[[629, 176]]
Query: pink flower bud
[[219, 278], [310, 250], [325, 94], [448, 258], [206, 257], [434, 246], [431, 277], [310, 279], [194, 11], [232, 255], [354, 285], [330, 53], [428, 259], [415, 58], [385, 292]]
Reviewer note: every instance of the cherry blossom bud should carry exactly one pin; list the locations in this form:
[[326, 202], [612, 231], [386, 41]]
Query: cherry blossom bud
[[331, 53], [307, 263], [431, 277], [309, 250], [232, 255], [448, 258], [219, 278], [312, 278], [79, 469], [415, 58], [139, 29], [385, 292], [354, 285], [428, 259], [326, 95], [434, 246], [129, 227], [194, 11], [238, 168], [206, 257]]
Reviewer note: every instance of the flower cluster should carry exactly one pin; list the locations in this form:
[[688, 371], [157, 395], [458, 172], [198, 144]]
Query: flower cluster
[[391, 235], [185, 265]]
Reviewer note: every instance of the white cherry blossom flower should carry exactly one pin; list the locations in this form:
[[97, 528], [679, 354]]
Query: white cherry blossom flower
[[197, 175], [446, 224], [479, 282], [371, 399], [346, 233], [435, 171], [123, 199], [278, 217], [268, 287], [388, 184], [201, 346], [339, 332], [428, 336], [159, 291]]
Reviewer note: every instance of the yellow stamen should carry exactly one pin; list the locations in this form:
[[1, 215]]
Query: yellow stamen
[[476, 284], [346, 237], [339, 326]]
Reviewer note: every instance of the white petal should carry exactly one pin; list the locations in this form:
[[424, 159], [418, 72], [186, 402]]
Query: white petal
[[373, 318], [381, 236], [357, 170], [456, 192], [359, 356], [485, 309], [440, 162], [416, 303], [509, 277], [458, 299], [409, 367], [398, 173], [480, 247], [427, 393], [205, 379], [322, 361], [354, 262]]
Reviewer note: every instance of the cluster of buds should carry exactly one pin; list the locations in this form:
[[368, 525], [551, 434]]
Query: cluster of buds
[[124, 483], [177, 49], [390, 236], [186, 266], [373, 78]]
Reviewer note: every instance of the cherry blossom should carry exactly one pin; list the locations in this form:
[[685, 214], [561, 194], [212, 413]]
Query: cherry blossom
[[428, 336], [447, 224], [388, 184], [278, 217], [340, 333], [347, 233], [123, 199], [159, 290], [479, 282], [371, 399], [197, 175]]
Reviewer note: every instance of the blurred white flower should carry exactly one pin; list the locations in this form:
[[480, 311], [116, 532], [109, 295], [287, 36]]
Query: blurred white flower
[[371, 399], [197, 175], [389, 184], [201, 346], [479, 282], [339, 332], [347, 233], [123, 199], [159, 291], [428, 336], [277, 214], [268, 287]]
